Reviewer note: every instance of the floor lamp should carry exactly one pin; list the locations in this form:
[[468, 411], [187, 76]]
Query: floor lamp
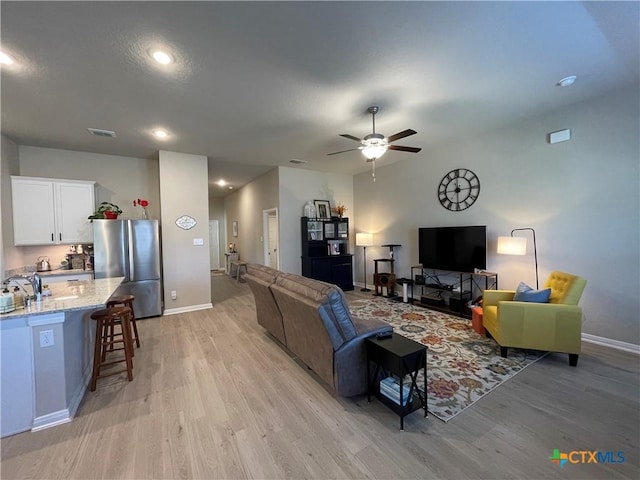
[[518, 246], [364, 240]]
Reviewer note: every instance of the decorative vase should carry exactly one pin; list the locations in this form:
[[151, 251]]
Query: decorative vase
[[110, 215], [309, 210], [144, 214]]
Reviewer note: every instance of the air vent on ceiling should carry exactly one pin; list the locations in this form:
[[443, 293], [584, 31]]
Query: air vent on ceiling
[[297, 161], [102, 133]]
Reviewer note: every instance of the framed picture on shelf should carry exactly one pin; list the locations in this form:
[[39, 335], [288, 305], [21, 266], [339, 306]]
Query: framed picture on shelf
[[323, 209], [329, 230], [234, 227], [314, 231], [334, 248]]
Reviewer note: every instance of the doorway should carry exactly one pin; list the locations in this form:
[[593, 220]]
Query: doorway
[[214, 245], [270, 237]]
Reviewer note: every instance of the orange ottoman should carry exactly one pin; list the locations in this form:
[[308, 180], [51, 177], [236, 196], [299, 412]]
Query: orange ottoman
[[476, 320]]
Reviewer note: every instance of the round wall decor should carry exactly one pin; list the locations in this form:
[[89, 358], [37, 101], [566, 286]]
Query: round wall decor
[[459, 189]]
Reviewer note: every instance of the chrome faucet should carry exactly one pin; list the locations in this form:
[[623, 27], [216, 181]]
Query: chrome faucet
[[36, 283]]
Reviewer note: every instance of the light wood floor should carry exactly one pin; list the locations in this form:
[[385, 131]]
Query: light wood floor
[[214, 396]]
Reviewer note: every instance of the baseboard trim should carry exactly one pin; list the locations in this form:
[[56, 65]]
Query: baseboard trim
[[609, 342], [190, 308], [51, 420]]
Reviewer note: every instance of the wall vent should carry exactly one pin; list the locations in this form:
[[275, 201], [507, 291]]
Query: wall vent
[[102, 133], [297, 161]]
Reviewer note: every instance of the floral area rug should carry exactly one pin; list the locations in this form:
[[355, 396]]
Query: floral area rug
[[462, 365]]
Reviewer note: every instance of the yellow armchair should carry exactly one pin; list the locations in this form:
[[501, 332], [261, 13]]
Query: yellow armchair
[[555, 326]]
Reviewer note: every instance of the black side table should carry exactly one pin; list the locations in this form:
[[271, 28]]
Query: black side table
[[399, 356]]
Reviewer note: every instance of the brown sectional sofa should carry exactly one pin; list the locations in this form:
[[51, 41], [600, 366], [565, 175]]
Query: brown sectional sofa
[[312, 319]]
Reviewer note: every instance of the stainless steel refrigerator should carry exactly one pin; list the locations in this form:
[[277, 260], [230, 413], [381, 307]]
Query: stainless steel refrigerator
[[131, 249]]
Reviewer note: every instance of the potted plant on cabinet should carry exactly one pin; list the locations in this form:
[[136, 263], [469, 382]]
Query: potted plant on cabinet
[[106, 210]]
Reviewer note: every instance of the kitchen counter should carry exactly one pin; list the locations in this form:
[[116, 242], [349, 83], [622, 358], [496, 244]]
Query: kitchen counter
[[47, 355], [69, 296]]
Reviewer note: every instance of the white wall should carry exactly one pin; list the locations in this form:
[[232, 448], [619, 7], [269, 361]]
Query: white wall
[[9, 165], [245, 207], [288, 189], [296, 187], [581, 196], [184, 190], [119, 179], [216, 212]]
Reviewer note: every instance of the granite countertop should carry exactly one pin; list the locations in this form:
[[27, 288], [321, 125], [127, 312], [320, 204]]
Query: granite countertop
[[65, 296]]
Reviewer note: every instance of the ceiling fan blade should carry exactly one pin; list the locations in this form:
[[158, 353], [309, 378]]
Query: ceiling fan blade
[[399, 135], [404, 149], [343, 151], [351, 137]]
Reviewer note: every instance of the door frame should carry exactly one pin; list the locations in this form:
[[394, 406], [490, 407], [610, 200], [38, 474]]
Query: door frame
[[270, 212]]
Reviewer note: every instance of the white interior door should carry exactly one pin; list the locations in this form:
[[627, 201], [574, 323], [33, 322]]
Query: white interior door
[[270, 228], [214, 245]]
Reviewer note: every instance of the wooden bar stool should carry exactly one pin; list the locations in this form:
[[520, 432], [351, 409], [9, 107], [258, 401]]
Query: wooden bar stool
[[126, 301], [106, 320]]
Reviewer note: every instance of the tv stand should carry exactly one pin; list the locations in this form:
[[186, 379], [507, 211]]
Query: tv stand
[[433, 293]]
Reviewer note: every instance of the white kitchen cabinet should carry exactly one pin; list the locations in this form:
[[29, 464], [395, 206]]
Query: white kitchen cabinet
[[50, 212]]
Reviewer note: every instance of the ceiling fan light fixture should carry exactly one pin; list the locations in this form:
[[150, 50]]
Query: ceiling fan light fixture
[[374, 146], [374, 151]]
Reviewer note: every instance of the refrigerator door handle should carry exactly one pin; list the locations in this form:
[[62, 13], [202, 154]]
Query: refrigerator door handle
[[132, 273]]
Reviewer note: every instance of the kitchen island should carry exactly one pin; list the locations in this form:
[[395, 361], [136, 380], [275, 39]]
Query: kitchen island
[[47, 353]]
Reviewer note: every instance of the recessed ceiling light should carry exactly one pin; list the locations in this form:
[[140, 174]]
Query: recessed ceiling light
[[222, 183], [567, 81], [160, 134], [230, 187], [162, 57], [5, 59]]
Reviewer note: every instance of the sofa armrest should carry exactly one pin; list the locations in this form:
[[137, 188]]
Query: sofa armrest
[[370, 324], [492, 297], [541, 326], [350, 360]]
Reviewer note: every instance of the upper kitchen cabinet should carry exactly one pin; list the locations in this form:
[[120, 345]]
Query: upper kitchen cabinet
[[49, 212]]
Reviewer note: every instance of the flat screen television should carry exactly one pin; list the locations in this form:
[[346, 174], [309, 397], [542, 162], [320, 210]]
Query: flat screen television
[[460, 249]]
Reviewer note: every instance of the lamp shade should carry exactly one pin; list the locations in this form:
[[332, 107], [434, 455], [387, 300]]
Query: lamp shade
[[364, 239], [512, 245]]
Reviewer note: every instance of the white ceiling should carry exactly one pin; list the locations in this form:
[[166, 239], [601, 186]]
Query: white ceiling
[[258, 84]]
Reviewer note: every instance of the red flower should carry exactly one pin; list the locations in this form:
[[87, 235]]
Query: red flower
[[140, 203]]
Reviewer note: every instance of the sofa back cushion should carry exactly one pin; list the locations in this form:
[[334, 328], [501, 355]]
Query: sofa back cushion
[[565, 288], [260, 278], [331, 305], [263, 272]]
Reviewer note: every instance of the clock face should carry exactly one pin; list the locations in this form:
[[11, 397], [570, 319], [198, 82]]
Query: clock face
[[459, 189]]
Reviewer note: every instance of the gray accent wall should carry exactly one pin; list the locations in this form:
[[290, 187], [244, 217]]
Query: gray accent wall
[[184, 191], [581, 196]]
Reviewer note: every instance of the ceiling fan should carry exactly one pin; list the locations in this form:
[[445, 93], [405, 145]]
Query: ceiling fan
[[375, 144]]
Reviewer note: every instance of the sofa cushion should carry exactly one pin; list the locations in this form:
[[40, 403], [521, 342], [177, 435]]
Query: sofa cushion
[[335, 311], [524, 293], [333, 307], [262, 272]]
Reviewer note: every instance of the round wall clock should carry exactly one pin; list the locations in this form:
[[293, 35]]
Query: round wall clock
[[458, 189]]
